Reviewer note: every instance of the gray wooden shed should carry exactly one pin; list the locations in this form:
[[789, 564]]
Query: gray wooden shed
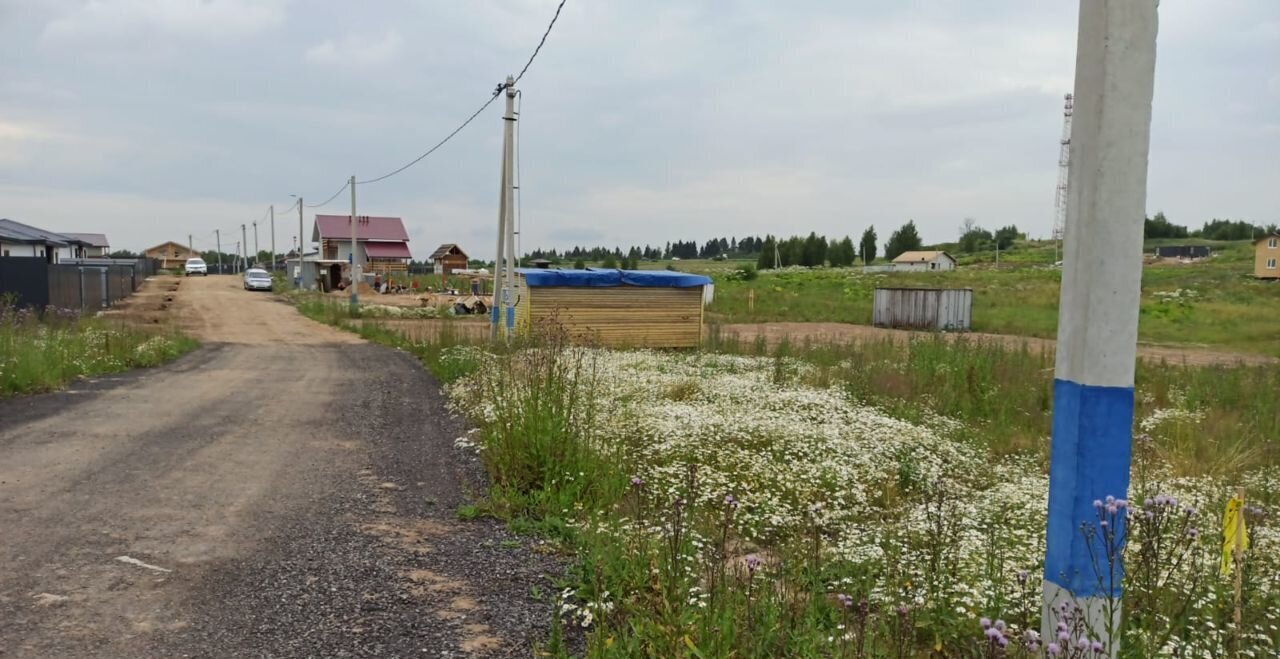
[[923, 308]]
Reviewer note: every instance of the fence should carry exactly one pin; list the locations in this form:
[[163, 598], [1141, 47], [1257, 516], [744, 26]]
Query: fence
[[86, 285]]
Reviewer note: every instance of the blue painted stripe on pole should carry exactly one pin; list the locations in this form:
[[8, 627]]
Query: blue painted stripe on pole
[[511, 317], [1089, 460], [493, 316]]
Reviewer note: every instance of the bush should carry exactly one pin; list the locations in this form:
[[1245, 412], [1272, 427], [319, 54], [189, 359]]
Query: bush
[[747, 272]]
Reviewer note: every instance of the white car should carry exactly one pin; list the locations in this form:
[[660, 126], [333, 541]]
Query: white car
[[256, 279], [196, 266]]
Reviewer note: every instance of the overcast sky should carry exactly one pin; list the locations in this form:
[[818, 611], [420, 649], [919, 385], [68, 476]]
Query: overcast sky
[[642, 121]]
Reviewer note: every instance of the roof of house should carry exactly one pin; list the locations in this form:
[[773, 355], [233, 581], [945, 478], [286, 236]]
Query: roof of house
[[920, 257], [446, 249], [387, 250], [1267, 237], [15, 231], [368, 227], [90, 239], [166, 244]]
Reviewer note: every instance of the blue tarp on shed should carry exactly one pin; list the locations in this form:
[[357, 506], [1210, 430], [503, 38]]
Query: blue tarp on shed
[[539, 277]]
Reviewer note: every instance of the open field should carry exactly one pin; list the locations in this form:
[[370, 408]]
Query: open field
[[746, 501], [1211, 304]]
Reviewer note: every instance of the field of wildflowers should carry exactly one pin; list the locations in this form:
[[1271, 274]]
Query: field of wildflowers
[[735, 505], [876, 500], [41, 352]]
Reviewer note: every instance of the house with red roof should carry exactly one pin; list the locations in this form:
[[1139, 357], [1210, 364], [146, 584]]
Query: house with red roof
[[382, 244]]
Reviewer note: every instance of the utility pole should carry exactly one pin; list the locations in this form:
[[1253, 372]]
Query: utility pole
[[355, 262], [256, 251], [190, 244], [1098, 311], [235, 267], [501, 270], [301, 250], [273, 238], [217, 233], [244, 254]]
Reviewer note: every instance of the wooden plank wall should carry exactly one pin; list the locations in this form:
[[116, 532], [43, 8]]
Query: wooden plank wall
[[616, 316]]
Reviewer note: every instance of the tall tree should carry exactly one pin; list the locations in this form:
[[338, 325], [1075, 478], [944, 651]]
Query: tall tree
[[841, 254], [765, 261], [905, 239], [867, 246], [1005, 236]]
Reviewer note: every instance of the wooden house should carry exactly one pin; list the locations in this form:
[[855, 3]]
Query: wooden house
[[171, 255], [382, 242], [1266, 257], [614, 308], [447, 258]]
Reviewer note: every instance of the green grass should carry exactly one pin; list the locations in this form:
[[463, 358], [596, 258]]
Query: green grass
[[1226, 309], [684, 591], [44, 353]]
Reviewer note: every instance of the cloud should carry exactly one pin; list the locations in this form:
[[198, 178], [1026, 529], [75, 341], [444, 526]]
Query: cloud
[[357, 50], [213, 19]]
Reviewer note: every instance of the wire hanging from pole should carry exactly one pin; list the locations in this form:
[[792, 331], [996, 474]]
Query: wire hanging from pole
[[519, 182], [335, 196], [540, 43]]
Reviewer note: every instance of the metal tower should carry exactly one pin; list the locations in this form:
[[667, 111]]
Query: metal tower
[[1064, 159]]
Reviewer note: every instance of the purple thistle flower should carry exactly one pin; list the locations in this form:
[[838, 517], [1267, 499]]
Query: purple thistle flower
[[730, 501], [1082, 643], [1191, 511], [1064, 635], [636, 481], [992, 633], [1110, 499], [1112, 509], [1098, 647], [753, 562], [999, 625], [1002, 641], [1097, 504], [1103, 524], [1062, 626], [1053, 650], [1147, 502], [845, 600], [985, 622], [1023, 575], [1193, 533]]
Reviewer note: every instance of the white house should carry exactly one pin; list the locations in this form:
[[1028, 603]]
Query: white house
[[924, 262], [18, 239]]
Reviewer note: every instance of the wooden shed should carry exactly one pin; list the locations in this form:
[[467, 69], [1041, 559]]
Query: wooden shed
[[614, 308], [923, 308]]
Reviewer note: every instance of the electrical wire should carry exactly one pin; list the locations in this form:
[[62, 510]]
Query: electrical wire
[[335, 196], [439, 144], [497, 92], [519, 180], [540, 43]]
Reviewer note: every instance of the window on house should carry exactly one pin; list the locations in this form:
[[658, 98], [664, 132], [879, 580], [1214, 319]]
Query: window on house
[[1271, 264], [1271, 243]]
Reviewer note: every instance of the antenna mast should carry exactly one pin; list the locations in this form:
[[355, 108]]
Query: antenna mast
[[1064, 160]]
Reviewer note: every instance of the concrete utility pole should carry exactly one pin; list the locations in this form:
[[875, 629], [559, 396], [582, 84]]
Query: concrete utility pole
[[502, 274], [217, 234], [190, 244], [301, 250], [244, 255], [1098, 307], [273, 238], [256, 252], [235, 267], [355, 261]]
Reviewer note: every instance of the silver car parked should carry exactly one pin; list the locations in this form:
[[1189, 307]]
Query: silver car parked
[[256, 279]]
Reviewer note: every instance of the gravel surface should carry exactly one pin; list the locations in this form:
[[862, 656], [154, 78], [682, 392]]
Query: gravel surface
[[285, 491]]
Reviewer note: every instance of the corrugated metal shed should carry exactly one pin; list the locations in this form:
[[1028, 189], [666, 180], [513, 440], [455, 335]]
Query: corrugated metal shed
[[923, 308]]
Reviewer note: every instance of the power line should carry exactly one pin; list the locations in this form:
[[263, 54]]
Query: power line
[[540, 43], [439, 144], [335, 196], [475, 114]]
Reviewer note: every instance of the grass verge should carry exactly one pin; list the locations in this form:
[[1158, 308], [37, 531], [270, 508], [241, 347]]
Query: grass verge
[[44, 352]]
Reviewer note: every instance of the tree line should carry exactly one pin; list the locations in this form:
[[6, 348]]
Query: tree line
[[1215, 229]]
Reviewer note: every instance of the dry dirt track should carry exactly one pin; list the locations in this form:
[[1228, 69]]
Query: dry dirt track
[[290, 489], [846, 333]]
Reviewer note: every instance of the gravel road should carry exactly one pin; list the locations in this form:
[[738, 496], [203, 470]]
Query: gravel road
[[284, 491]]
